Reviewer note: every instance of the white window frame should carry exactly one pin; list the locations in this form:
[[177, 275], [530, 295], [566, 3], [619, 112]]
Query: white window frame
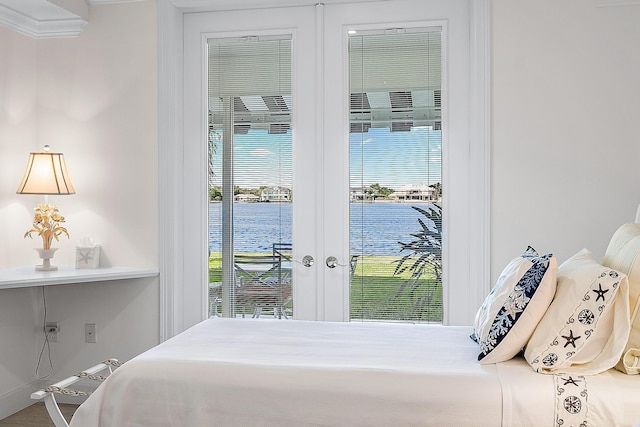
[[177, 307]]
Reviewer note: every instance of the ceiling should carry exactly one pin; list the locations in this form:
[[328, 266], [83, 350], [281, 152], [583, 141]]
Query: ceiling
[[68, 18]]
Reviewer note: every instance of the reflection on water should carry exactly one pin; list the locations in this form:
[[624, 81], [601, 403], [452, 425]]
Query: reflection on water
[[376, 228]]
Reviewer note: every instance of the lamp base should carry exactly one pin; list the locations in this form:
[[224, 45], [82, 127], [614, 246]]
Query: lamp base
[[46, 255]]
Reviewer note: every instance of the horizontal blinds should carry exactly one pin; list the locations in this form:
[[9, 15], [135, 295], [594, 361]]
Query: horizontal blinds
[[395, 175], [395, 80], [250, 176], [249, 67], [256, 73]]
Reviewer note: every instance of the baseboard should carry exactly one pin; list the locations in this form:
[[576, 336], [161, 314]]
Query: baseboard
[[17, 399]]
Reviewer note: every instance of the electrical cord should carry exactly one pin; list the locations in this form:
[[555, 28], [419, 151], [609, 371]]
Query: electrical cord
[[45, 344]]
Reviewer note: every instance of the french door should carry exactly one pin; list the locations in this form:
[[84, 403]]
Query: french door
[[323, 115]]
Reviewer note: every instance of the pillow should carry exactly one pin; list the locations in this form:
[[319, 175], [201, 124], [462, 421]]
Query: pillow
[[623, 254], [586, 326], [515, 305]]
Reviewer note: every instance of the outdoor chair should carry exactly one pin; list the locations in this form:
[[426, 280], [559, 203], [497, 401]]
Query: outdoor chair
[[263, 284]]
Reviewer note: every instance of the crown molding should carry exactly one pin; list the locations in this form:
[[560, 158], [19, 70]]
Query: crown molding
[[39, 25], [221, 5]]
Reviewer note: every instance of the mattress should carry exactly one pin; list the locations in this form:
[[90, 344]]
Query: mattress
[[229, 372]]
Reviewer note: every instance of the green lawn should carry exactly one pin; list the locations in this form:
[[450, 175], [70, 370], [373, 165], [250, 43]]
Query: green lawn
[[379, 295], [376, 294]]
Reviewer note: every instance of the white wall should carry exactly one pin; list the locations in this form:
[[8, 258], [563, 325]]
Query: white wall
[[566, 140], [565, 154], [18, 307], [94, 98]]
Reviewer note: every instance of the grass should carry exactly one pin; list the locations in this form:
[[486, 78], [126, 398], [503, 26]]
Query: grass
[[377, 294]]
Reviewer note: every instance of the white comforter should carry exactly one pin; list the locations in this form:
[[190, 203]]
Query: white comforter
[[228, 372]]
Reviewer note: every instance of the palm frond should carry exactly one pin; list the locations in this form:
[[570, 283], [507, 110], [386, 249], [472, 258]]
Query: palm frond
[[424, 255]]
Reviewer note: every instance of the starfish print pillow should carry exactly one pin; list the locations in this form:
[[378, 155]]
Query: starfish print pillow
[[587, 324]]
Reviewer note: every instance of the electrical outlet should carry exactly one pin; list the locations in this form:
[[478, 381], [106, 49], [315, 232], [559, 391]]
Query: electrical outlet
[[51, 329], [90, 333]]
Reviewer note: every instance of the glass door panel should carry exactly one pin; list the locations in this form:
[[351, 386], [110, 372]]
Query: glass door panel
[[250, 177], [395, 150], [328, 164]]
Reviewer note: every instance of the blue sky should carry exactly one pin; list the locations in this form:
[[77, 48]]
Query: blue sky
[[395, 159], [391, 159]]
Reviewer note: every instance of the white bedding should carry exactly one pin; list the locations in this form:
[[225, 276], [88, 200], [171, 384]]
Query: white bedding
[[228, 372]]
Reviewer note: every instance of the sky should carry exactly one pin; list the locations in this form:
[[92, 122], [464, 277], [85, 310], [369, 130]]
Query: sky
[[391, 159], [395, 159]]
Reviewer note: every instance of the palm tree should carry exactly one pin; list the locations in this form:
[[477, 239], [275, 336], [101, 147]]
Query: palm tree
[[425, 256]]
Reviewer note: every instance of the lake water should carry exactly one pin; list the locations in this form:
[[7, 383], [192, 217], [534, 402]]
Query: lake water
[[376, 228]]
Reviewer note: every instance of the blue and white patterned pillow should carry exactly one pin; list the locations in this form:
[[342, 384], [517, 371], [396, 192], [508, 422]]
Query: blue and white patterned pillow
[[510, 313]]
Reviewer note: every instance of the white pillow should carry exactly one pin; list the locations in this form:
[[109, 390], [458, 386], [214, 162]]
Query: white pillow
[[515, 305], [623, 254], [586, 327]]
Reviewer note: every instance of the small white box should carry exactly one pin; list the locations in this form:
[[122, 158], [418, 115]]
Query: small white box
[[88, 256]]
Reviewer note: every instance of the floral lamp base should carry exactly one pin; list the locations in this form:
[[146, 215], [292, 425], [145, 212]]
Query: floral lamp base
[[46, 255]]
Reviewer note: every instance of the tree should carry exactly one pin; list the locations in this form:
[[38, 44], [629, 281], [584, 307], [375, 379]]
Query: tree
[[438, 187], [215, 193], [379, 191], [425, 255]]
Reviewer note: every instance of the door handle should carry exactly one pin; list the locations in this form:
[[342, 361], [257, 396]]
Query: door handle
[[307, 260], [332, 262]]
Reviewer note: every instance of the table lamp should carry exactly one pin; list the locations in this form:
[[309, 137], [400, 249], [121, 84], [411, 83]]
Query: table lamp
[[46, 174]]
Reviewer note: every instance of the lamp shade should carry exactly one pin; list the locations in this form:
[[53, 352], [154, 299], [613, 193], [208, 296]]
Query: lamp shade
[[46, 174]]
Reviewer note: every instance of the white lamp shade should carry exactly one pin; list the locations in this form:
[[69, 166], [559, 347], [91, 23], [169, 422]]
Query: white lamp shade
[[46, 174]]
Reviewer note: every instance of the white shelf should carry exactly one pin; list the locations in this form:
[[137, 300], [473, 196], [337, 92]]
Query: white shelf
[[24, 277]]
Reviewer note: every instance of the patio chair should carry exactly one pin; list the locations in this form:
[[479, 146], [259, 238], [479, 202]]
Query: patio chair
[[264, 284]]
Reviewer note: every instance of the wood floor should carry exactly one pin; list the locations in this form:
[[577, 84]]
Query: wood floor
[[36, 416]]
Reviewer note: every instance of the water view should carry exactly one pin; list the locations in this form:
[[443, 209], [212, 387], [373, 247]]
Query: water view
[[376, 228]]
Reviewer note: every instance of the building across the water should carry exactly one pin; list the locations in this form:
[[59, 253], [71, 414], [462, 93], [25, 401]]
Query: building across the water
[[246, 198], [422, 193], [275, 194]]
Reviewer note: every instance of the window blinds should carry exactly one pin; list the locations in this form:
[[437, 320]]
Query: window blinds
[[250, 176], [395, 175]]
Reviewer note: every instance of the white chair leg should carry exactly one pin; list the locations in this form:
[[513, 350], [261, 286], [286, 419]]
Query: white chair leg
[[54, 411]]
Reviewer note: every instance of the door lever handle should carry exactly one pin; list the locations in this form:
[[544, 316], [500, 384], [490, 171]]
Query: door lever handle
[[332, 262]]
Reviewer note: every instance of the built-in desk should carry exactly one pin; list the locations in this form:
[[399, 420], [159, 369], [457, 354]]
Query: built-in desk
[[24, 277]]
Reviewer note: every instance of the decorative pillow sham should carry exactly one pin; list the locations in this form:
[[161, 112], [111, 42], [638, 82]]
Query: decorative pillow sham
[[515, 305], [586, 326], [623, 254]]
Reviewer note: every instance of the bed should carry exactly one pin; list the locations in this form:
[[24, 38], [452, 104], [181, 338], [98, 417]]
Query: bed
[[225, 372], [565, 352]]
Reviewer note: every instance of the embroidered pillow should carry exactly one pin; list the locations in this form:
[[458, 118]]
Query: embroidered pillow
[[586, 326], [623, 254], [515, 305]]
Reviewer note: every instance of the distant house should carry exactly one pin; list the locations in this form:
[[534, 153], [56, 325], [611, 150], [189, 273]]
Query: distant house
[[357, 194], [275, 194], [415, 192], [246, 198]]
